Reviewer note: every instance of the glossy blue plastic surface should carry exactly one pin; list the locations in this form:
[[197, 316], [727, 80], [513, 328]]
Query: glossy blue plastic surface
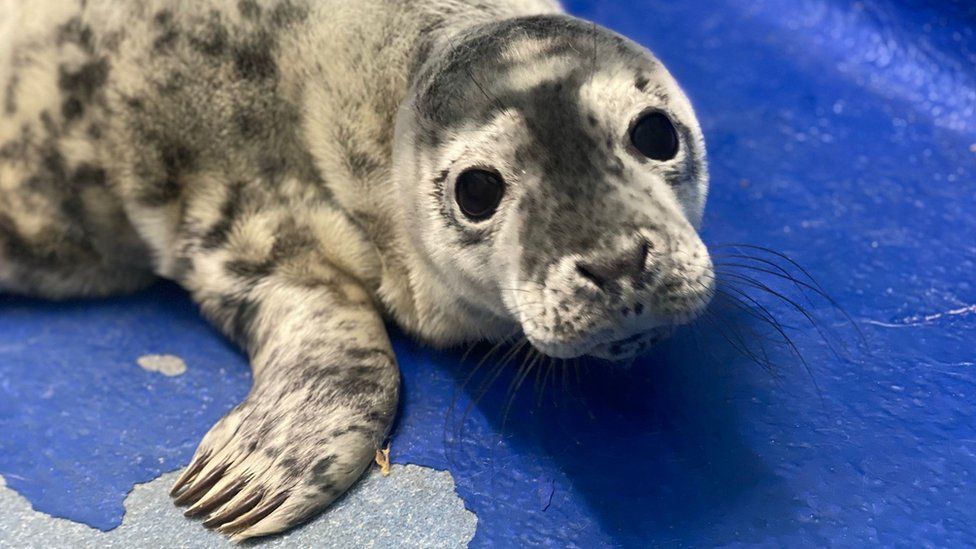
[[840, 133]]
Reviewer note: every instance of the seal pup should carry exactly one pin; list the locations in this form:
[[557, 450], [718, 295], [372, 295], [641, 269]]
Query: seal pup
[[308, 170]]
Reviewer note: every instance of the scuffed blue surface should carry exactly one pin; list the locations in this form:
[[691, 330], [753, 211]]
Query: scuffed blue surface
[[840, 133]]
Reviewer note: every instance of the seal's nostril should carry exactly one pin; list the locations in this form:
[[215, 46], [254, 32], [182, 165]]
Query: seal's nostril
[[606, 269], [645, 248], [588, 272]]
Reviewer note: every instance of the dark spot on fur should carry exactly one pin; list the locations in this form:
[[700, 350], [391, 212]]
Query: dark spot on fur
[[50, 127], [84, 82], [442, 177], [213, 41], [89, 174], [72, 108], [641, 83], [76, 32], [287, 13], [54, 165], [366, 354], [176, 160], [166, 40], [163, 17], [249, 9], [168, 32], [638, 308], [16, 148], [240, 314], [272, 167], [254, 59], [378, 418], [217, 235], [290, 241], [351, 429], [249, 126], [361, 164], [250, 269], [320, 471], [173, 84], [353, 386], [9, 95]]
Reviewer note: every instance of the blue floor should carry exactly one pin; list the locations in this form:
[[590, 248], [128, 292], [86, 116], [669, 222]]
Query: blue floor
[[842, 134]]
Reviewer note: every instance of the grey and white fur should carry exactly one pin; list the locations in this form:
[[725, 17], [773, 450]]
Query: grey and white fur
[[292, 164]]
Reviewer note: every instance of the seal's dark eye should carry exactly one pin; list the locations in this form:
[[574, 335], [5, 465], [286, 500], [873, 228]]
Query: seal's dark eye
[[655, 137], [479, 193]]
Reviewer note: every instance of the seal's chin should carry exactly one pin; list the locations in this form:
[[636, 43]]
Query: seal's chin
[[613, 350], [631, 347]]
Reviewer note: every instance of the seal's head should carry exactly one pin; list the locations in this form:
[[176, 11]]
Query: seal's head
[[555, 173]]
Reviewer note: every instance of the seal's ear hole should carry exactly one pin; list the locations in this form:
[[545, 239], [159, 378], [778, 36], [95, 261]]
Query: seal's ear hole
[[654, 136], [478, 193]]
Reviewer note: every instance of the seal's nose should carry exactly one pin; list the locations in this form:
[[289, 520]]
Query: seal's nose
[[606, 269]]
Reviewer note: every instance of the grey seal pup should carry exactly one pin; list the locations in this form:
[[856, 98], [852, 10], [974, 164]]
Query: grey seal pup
[[309, 170]]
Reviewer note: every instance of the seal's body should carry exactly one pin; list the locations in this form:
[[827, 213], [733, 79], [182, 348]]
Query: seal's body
[[305, 169]]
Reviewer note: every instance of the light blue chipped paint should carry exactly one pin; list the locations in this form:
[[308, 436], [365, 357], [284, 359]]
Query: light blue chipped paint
[[413, 507], [168, 365]]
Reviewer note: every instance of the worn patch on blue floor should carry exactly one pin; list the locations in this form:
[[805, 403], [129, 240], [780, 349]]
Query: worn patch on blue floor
[[840, 133], [413, 507]]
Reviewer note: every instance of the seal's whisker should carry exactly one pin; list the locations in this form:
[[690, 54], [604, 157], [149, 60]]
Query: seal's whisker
[[804, 272], [545, 382], [537, 389], [468, 379], [779, 328], [778, 254], [475, 344], [754, 308], [799, 284], [493, 376], [779, 272], [824, 331], [512, 391], [739, 345], [756, 311], [813, 286], [796, 306], [565, 376], [752, 312]]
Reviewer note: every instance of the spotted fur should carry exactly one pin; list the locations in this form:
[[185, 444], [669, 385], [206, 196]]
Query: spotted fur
[[292, 164]]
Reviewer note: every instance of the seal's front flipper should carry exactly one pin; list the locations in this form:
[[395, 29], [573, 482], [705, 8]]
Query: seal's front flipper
[[325, 392]]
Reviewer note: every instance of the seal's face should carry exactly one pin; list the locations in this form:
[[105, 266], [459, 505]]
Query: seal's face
[[562, 179]]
